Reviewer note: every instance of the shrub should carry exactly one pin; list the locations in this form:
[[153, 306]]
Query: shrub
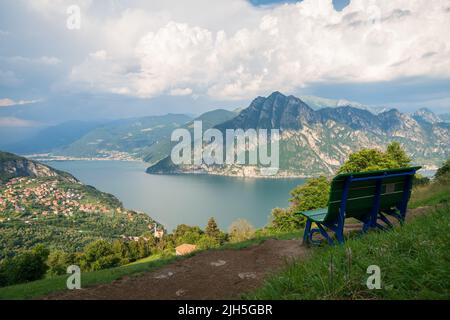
[[99, 255], [187, 234], [207, 242], [241, 230], [57, 262], [312, 195], [285, 220], [25, 267]]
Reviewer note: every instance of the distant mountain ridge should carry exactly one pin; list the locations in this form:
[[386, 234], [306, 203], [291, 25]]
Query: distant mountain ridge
[[54, 137], [317, 103], [318, 142], [160, 150], [129, 137]]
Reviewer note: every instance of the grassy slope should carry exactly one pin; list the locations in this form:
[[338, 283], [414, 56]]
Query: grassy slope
[[432, 194], [413, 259]]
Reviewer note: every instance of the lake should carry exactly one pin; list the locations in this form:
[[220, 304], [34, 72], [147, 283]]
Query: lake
[[188, 199]]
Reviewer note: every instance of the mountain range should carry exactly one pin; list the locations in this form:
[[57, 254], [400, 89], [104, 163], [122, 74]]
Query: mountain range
[[317, 135], [318, 141]]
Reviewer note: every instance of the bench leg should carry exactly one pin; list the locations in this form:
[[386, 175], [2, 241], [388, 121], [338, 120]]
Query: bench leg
[[340, 236], [307, 233], [325, 234], [367, 225]]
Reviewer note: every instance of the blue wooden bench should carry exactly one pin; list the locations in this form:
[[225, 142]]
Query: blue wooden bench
[[368, 197]]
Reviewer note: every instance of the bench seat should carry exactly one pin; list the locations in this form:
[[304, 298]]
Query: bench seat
[[317, 215]]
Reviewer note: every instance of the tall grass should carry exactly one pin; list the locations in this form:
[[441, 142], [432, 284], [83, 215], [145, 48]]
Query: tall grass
[[435, 193]]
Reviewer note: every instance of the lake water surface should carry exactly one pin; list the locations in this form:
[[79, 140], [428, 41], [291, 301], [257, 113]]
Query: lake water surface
[[189, 199]]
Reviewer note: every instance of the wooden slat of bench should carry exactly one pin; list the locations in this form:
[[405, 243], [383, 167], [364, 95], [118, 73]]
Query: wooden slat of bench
[[317, 215]]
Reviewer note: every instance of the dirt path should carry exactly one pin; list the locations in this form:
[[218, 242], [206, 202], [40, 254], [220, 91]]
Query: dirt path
[[218, 274]]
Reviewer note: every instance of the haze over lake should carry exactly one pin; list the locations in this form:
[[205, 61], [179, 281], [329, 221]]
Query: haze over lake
[[189, 199]]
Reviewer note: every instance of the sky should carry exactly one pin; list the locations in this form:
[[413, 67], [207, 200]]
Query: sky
[[133, 58]]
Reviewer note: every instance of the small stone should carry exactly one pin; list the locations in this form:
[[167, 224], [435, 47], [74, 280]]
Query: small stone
[[180, 292], [164, 276], [218, 263], [247, 275]]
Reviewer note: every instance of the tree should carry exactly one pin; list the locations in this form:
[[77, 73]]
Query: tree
[[285, 220], [207, 242], [143, 248], [444, 170], [312, 195], [368, 160], [396, 153], [241, 230], [212, 230], [187, 234], [24, 267], [58, 261], [371, 159], [99, 255], [120, 249], [132, 250]]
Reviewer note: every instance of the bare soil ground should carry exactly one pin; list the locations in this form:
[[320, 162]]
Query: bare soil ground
[[216, 274]]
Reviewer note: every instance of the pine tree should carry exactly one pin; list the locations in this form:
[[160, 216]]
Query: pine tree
[[398, 154], [212, 230]]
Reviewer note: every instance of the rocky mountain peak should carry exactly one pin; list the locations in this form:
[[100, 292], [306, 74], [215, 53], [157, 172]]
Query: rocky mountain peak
[[13, 166], [426, 115]]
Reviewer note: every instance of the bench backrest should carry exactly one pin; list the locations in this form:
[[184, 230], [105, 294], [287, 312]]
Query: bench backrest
[[394, 187]]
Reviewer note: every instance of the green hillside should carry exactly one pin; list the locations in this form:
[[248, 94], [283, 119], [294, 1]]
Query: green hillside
[[131, 137], [41, 205], [61, 215], [209, 119]]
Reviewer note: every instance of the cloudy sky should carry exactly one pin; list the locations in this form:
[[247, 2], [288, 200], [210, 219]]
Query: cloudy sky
[[143, 57]]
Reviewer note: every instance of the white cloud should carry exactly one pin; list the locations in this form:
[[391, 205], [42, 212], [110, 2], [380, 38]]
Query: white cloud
[[9, 102], [181, 92], [15, 122], [237, 51]]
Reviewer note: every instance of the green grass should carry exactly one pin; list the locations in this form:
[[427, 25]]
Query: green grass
[[260, 239], [151, 258], [434, 193], [414, 262], [55, 284]]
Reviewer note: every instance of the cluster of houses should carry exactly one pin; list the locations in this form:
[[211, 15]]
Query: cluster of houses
[[43, 198]]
